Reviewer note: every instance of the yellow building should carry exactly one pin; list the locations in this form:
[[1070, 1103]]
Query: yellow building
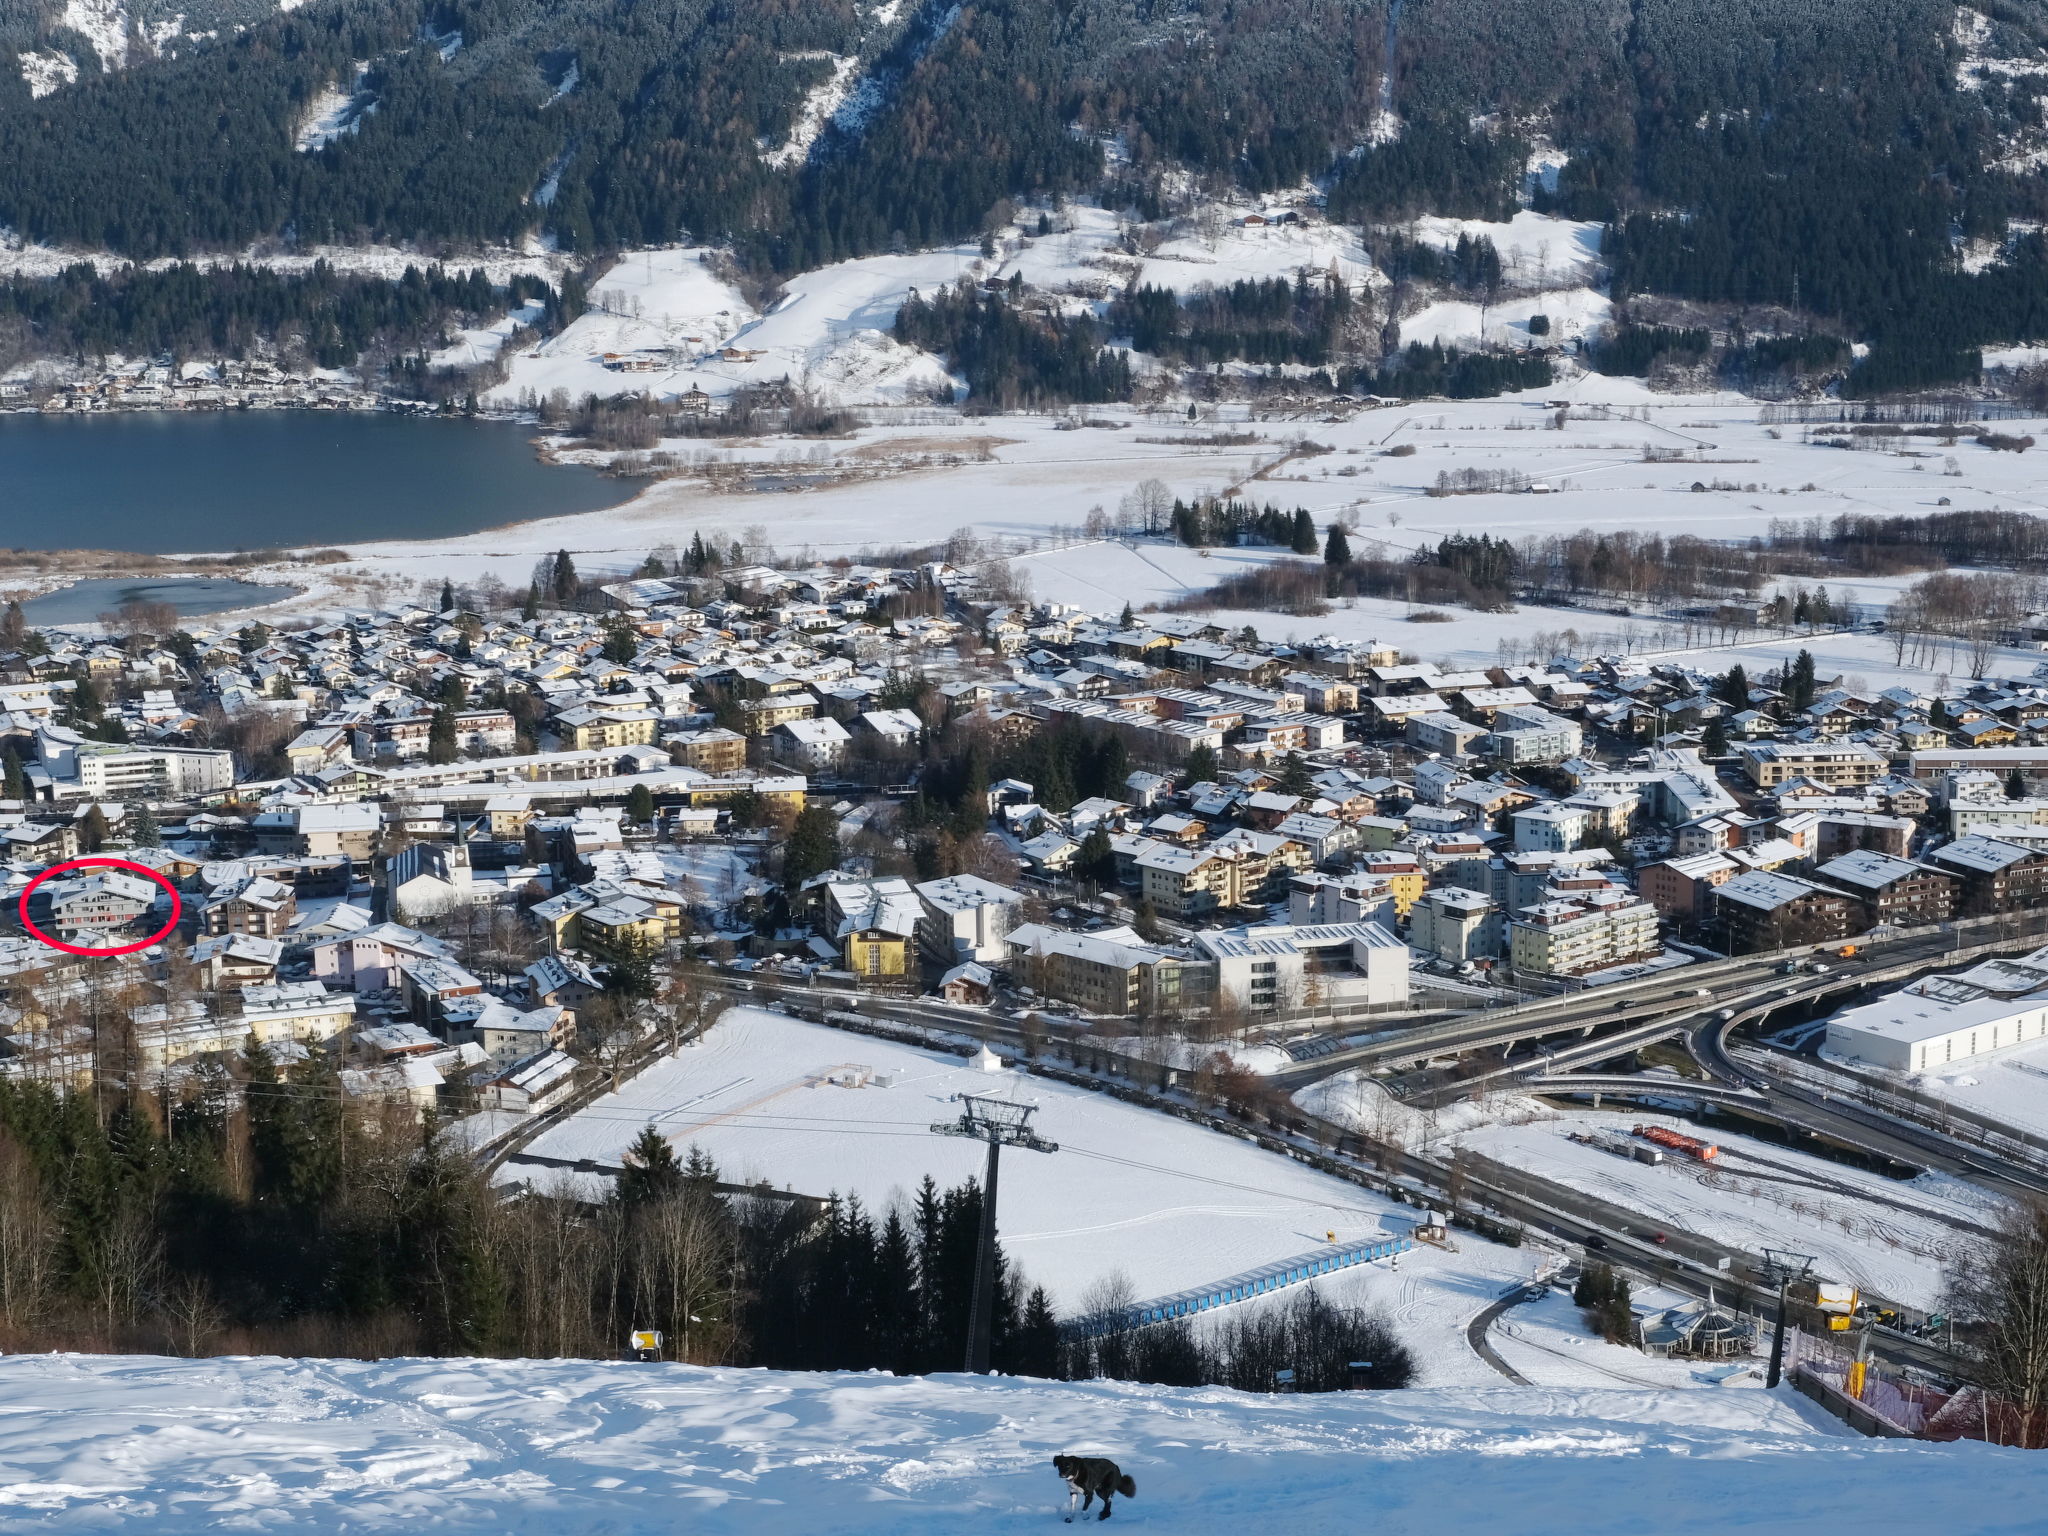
[[586, 729], [760, 716], [875, 923], [876, 953], [1404, 876]]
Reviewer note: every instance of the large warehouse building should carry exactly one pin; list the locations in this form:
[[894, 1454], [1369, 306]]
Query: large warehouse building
[[1938, 1020]]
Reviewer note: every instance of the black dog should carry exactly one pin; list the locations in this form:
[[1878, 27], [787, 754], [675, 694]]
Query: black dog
[[1090, 1476]]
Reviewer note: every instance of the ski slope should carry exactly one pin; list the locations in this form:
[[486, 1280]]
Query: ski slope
[[516, 1448], [1168, 1203]]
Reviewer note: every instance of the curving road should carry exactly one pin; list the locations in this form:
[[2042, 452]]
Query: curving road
[[1477, 1330]]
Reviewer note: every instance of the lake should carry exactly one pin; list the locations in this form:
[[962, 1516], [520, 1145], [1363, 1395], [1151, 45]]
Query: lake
[[191, 482], [84, 601]]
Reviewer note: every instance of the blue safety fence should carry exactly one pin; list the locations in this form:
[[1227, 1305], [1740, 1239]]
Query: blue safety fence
[[1244, 1287]]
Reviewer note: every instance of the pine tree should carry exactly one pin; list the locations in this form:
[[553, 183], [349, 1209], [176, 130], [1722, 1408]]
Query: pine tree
[[1294, 776], [1734, 689], [1145, 921], [447, 595], [2016, 785], [1110, 767], [896, 1319], [1799, 688], [1337, 551], [530, 609], [441, 742], [1036, 1349], [92, 830], [141, 827], [621, 643], [1714, 738], [13, 782], [1096, 858], [13, 627], [1126, 619], [566, 587], [813, 846], [1304, 541], [640, 804], [649, 1171], [1200, 766]]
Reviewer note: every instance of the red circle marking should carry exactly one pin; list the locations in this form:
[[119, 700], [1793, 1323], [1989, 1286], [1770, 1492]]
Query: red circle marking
[[177, 905]]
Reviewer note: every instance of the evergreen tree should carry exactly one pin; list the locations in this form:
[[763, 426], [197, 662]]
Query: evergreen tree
[[1200, 766], [1799, 685], [1714, 738], [629, 969], [621, 642], [13, 627], [141, 828], [1145, 921], [1126, 619], [1304, 542], [2016, 785], [565, 586], [441, 741], [447, 595], [1294, 776], [1095, 859], [13, 783], [1337, 550], [649, 1171], [896, 1317], [640, 804], [92, 829], [813, 846], [1109, 767], [530, 609], [1734, 689], [295, 1130]]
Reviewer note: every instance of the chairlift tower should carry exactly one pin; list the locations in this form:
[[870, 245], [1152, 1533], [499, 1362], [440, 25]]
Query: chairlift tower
[[1783, 1268], [1001, 1123]]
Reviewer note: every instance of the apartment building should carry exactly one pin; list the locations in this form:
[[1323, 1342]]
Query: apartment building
[[1456, 925], [1833, 763], [1894, 890], [1584, 933]]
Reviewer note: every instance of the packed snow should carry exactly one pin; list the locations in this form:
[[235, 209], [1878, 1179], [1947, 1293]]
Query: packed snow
[[560, 1447]]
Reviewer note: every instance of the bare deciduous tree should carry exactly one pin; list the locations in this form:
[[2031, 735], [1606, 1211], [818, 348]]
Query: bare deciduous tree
[[2002, 1283]]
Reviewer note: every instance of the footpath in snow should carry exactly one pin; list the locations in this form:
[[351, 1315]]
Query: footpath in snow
[[564, 1447]]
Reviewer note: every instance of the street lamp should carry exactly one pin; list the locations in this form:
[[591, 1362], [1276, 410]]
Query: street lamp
[[1001, 1123], [1784, 1268]]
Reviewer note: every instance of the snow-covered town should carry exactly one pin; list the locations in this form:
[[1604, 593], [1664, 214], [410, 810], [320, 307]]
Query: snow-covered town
[[745, 856]]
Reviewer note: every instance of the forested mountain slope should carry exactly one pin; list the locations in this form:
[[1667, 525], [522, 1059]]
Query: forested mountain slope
[[1834, 156]]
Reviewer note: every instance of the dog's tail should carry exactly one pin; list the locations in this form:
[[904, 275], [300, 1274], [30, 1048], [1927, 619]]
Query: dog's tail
[[1126, 1486]]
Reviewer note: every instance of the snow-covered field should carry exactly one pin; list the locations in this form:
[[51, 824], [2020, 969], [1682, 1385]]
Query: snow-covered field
[[2010, 1086], [1168, 1203], [1024, 476], [1754, 1197], [564, 1448]]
